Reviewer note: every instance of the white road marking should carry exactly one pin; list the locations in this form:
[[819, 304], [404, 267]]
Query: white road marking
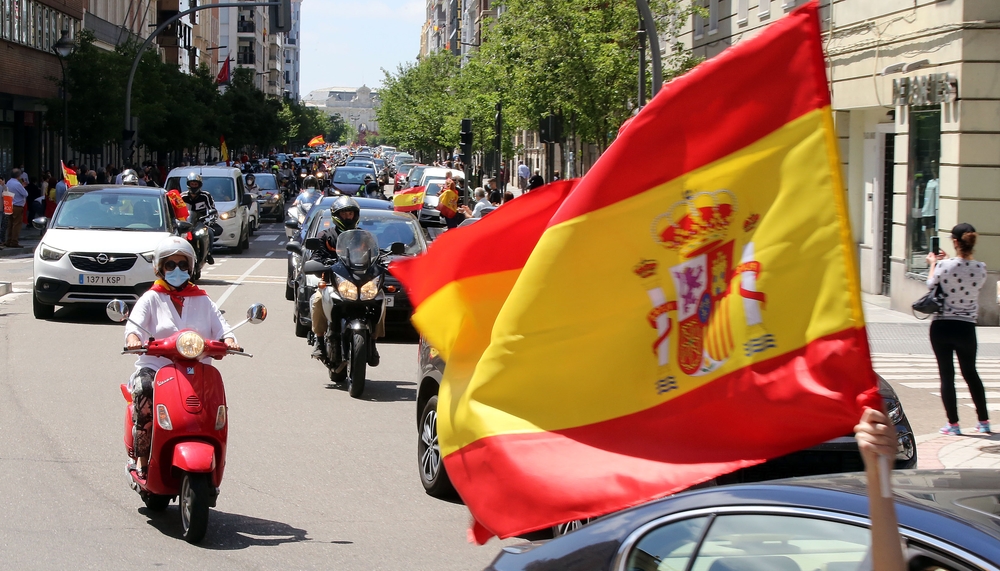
[[937, 385], [233, 287], [266, 238], [269, 254]]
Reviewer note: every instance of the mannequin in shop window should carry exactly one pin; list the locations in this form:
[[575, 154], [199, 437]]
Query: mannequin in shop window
[[930, 205]]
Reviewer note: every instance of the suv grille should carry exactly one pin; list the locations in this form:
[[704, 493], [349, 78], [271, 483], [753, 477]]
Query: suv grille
[[92, 262]]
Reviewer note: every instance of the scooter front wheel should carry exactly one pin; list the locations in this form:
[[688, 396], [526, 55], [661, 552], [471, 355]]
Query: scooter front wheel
[[194, 501]]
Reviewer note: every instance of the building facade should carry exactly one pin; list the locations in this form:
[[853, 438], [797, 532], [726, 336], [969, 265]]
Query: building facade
[[250, 45], [28, 30], [356, 106], [292, 55], [917, 110]]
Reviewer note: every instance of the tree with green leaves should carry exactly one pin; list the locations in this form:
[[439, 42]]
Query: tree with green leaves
[[418, 108]]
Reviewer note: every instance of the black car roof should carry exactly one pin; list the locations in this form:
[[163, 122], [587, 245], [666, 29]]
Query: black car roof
[[150, 190], [933, 502]]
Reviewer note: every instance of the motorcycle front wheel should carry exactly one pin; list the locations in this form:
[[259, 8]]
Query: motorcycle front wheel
[[359, 361], [194, 501]]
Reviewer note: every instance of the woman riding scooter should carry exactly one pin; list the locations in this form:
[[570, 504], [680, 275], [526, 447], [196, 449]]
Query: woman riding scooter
[[172, 304]]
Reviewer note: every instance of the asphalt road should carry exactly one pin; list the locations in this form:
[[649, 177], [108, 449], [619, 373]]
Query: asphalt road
[[314, 479]]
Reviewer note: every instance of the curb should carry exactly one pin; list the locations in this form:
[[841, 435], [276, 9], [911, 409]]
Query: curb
[[5, 288], [11, 252], [938, 451]]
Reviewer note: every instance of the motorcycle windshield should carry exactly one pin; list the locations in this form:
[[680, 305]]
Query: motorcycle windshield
[[357, 249]]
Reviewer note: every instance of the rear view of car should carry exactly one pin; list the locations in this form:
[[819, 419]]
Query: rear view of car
[[99, 246]]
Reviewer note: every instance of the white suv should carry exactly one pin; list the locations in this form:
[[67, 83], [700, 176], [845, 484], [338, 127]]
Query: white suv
[[225, 184], [99, 246]]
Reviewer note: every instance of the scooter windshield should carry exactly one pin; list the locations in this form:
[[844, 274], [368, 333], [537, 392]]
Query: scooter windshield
[[358, 249]]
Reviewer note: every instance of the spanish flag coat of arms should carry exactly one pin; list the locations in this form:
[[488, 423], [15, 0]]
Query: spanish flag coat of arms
[[629, 341]]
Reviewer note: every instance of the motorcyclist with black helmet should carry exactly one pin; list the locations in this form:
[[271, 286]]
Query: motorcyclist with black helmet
[[345, 213], [371, 189], [200, 204]]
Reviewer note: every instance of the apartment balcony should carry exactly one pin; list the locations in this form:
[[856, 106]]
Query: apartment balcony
[[246, 27], [245, 59]]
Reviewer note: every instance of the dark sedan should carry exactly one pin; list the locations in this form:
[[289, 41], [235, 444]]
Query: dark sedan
[[949, 520], [350, 180], [388, 227], [832, 457]]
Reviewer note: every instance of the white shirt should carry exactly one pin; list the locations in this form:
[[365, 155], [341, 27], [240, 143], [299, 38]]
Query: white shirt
[[156, 314], [931, 191], [482, 203], [523, 171], [960, 281]]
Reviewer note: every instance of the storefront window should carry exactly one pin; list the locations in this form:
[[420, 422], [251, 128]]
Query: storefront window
[[924, 185]]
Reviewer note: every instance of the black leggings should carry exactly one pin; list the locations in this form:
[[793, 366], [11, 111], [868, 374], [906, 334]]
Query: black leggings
[[951, 335]]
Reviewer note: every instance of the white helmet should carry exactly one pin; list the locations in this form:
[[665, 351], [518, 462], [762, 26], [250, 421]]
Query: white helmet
[[170, 246]]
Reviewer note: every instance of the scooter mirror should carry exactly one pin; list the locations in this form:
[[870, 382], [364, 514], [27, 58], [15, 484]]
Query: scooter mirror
[[117, 310], [257, 313]]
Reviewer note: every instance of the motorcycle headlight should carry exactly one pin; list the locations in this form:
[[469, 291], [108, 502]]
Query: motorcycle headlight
[[190, 345], [50, 254], [228, 215], [346, 289], [370, 290], [148, 256]]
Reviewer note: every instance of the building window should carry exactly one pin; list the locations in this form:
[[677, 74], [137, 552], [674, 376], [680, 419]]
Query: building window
[[788, 4], [923, 186], [742, 11], [764, 10], [698, 26], [713, 17]]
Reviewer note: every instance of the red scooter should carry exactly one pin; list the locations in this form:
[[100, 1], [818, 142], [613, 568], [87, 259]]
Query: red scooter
[[190, 429]]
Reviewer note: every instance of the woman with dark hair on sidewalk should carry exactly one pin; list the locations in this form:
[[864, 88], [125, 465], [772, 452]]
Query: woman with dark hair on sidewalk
[[954, 329]]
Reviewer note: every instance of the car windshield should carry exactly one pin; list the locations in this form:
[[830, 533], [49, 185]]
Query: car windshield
[[222, 188], [433, 186], [390, 229], [350, 176], [358, 249], [267, 182], [111, 211], [405, 168]]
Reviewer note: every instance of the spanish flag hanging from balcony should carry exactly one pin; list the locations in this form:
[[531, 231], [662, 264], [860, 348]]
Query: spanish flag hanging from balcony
[[659, 330], [317, 141]]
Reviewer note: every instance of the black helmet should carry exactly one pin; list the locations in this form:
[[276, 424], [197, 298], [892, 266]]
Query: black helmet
[[343, 204], [368, 178], [310, 182]]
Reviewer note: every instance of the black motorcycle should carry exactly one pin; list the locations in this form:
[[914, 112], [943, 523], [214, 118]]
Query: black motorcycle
[[354, 303], [200, 235]]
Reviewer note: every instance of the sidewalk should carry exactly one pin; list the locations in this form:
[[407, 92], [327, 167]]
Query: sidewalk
[[902, 333], [29, 239]]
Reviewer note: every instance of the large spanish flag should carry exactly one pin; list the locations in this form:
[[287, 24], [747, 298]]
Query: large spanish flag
[[316, 141], [699, 316], [409, 200]]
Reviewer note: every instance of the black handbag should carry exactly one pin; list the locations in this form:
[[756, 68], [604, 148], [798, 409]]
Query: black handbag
[[933, 302]]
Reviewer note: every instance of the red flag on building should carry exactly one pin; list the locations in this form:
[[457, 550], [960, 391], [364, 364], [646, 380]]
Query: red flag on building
[[223, 77]]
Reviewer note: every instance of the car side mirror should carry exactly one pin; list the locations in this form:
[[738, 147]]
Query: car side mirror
[[40, 223], [247, 200], [292, 223], [184, 226], [313, 243], [294, 247], [397, 248]]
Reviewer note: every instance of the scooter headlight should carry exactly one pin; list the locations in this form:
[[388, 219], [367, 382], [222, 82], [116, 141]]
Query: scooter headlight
[[163, 418], [346, 289], [190, 345], [370, 290]]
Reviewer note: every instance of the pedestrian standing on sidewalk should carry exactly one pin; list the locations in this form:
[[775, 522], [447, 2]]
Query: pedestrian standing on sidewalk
[[14, 220], [954, 329], [523, 173]]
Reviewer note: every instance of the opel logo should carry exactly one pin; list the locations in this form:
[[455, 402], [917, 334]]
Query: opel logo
[[102, 259]]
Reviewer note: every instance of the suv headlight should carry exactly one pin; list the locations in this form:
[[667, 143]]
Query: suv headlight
[[370, 289], [228, 215], [346, 289], [190, 345], [50, 254], [148, 256]]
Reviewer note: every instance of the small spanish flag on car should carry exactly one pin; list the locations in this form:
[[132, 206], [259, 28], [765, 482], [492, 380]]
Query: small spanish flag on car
[[409, 200], [317, 141], [624, 340], [69, 175]]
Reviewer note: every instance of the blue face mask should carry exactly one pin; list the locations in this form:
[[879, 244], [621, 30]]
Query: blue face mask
[[177, 277]]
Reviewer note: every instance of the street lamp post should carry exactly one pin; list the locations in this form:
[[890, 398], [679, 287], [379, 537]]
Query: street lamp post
[[654, 43], [63, 48]]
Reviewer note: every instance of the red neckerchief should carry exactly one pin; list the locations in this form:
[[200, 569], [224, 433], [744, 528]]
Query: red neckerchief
[[177, 295]]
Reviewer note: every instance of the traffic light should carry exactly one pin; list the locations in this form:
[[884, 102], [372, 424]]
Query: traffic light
[[466, 140], [280, 17]]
